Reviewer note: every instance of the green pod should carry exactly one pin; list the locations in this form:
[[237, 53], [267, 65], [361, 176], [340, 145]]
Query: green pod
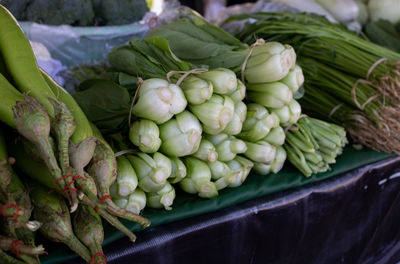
[[89, 229], [50, 209]]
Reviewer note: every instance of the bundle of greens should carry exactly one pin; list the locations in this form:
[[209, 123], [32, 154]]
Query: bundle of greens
[[52, 142], [362, 77], [312, 145], [365, 82]]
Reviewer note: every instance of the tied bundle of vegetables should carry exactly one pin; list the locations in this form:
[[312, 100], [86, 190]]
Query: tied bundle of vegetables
[[54, 136], [312, 145], [357, 79]]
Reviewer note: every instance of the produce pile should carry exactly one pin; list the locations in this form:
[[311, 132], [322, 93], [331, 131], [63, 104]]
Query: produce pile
[[189, 108], [50, 157], [77, 12]]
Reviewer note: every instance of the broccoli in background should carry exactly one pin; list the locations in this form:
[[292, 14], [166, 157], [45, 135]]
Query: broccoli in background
[[16, 7], [57, 12], [119, 12], [77, 12]]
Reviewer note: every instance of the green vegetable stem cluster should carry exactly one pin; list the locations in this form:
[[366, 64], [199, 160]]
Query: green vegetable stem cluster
[[50, 156], [200, 128]]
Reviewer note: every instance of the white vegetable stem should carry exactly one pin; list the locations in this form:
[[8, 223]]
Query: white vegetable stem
[[145, 135], [269, 62], [384, 9], [159, 100], [258, 123], [196, 90], [274, 95], [215, 114], [227, 146], [288, 114], [342, 10], [198, 179], [181, 135], [152, 172], [163, 198], [136, 201], [126, 177], [223, 80], [294, 79]]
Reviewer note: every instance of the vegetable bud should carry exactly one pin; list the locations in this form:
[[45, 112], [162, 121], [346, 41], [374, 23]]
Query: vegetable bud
[[198, 179], [159, 100], [136, 201], [279, 160], [152, 172], [206, 151], [269, 62], [239, 115], [181, 136], [276, 136], [222, 79], [294, 79], [261, 168], [242, 167], [163, 198], [258, 123], [178, 171], [197, 90], [272, 95], [126, 177], [145, 135], [222, 174], [215, 114], [288, 114], [240, 93], [226, 146], [260, 151]]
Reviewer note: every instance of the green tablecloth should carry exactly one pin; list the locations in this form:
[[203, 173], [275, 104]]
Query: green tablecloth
[[255, 186]]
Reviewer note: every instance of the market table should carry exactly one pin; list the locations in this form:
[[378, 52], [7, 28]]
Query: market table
[[349, 215]]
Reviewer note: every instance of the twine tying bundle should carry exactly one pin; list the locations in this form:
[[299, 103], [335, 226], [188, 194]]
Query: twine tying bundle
[[258, 42]]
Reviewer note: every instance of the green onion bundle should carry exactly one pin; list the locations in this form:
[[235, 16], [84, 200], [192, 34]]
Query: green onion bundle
[[312, 145]]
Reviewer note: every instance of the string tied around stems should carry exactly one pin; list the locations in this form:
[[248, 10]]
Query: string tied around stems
[[258, 42], [185, 74], [292, 126], [138, 84], [95, 256], [15, 247], [11, 205], [367, 82]]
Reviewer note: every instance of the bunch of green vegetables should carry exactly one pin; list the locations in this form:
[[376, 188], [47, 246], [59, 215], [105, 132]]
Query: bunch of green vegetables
[[349, 74], [358, 79], [58, 153]]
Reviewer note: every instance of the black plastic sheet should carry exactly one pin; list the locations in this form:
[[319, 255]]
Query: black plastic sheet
[[350, 218]]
